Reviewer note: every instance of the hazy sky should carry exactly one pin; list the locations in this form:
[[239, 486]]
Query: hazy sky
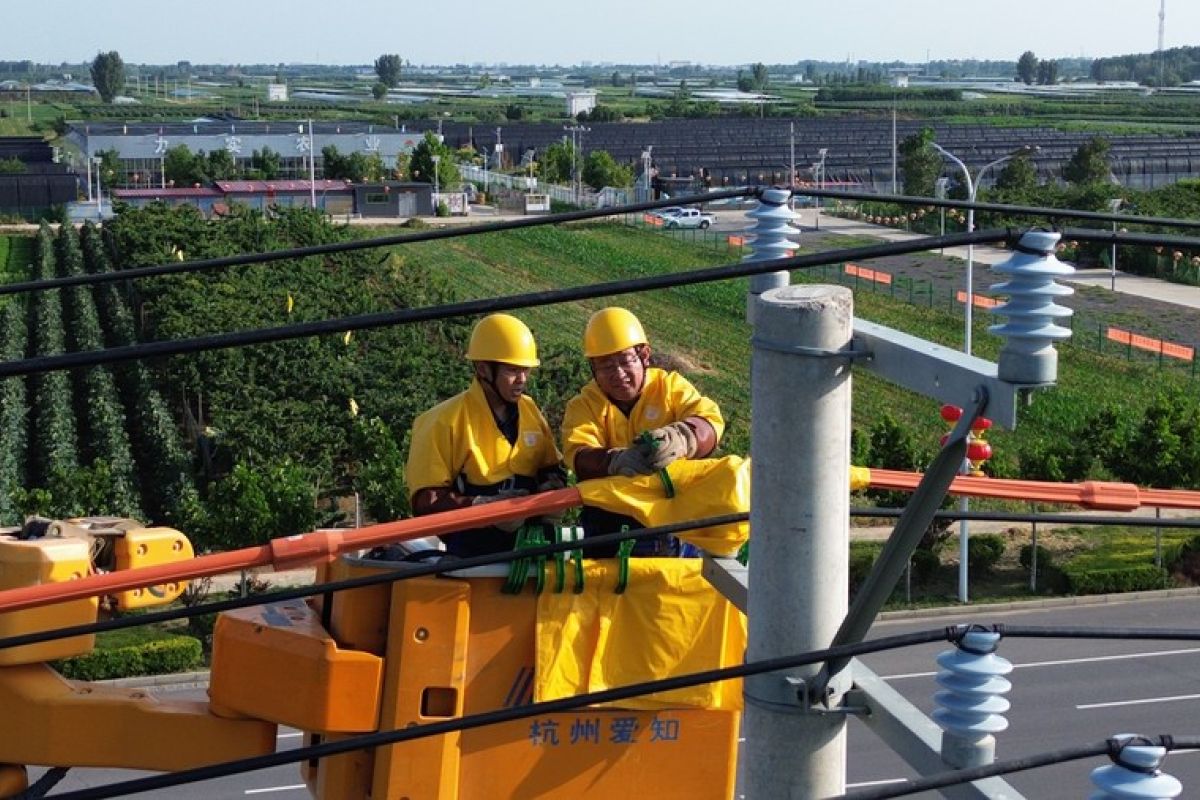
[[573, 31]]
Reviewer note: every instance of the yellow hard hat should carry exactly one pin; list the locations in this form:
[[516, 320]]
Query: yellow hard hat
[[503, 338], [611, 330]]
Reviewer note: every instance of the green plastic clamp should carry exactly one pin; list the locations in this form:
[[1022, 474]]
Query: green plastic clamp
[[537, 538], [668, 485], [518, 568], [560, 563], [577, 559], [623, 552]]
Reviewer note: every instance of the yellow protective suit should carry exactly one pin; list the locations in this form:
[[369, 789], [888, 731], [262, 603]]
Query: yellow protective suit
[[670, 621], [706, 487], [457, 444], [591, 420]]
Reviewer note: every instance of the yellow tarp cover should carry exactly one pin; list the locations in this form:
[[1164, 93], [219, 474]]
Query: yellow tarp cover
[[706, 487], [670, 621]]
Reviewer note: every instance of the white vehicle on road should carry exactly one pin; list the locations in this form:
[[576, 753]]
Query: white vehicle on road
[[690, 218], [666, 213]]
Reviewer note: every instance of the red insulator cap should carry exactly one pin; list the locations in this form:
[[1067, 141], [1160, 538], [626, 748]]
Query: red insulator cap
[[951, 413], [979, 451]]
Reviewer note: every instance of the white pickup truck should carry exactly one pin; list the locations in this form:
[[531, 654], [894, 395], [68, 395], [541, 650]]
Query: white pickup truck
[[690, 218]]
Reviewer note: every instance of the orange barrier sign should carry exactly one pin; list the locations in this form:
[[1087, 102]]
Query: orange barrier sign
[[979, 300], [1151, 344], [868, 274], [735, 241]]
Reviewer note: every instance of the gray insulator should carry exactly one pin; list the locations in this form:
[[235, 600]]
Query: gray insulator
[[1135, 775], [773, 225], [1028, 355], [970, 704]]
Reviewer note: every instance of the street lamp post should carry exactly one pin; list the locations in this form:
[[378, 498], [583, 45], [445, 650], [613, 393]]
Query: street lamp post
[[99, 195], [646, 159], [792, 165], [820, 185], [1114, 206], [577, 132], [972, 189], [436, 159]]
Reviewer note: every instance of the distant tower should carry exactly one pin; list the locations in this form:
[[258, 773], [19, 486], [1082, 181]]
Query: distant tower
[[1162, 30], [1162, 23]]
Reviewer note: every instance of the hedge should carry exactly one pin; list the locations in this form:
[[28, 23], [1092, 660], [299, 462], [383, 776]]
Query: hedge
[[983, 551], [159, 657], [1136, 578]]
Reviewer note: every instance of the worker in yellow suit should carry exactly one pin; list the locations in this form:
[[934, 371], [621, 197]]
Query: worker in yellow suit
[[488, 443], [627, 397]]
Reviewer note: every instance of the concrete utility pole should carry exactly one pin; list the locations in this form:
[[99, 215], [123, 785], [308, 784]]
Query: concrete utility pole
[[800, 403]]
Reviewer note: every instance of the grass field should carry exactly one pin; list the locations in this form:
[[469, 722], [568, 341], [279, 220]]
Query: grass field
[[703, 326]]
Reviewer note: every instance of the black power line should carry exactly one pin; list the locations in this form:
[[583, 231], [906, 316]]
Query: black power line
[[1109, 747], [90, 358], [480, 720], [1048, 519], [950, 633], [409, 571], [360, 244], [452, 565]]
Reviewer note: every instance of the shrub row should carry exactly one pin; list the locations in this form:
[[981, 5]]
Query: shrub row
[[1110, 580], [55, 439], [96, 402], [160, 657], [168, 491], [14, 410]]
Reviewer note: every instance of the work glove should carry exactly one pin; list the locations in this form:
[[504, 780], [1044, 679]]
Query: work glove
[[674, 441], [508, 526], [551, 483], [630, 462]]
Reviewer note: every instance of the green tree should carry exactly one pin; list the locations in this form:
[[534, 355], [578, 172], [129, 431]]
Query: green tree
[[1027, 66], [108, 74], [601, 113], [221, 166], [379, 90], [600, 169], [1047, 73], [110, 167], [920, 164], [745, 83], [514, 112], [760, 77], [265, 163], [387, 67], [420, 165], [1089, 163], [182, 167], [1018, 175], [556, 164]]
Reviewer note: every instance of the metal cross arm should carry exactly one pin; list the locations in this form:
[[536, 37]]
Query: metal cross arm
[[913, 523]]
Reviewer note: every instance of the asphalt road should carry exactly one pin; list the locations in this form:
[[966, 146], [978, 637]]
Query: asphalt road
[[1066, 692]]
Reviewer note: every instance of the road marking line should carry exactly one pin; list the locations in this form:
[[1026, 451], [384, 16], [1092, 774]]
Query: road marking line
[[1141, 702], [865, 784], [1066, 662], [276, 789]]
